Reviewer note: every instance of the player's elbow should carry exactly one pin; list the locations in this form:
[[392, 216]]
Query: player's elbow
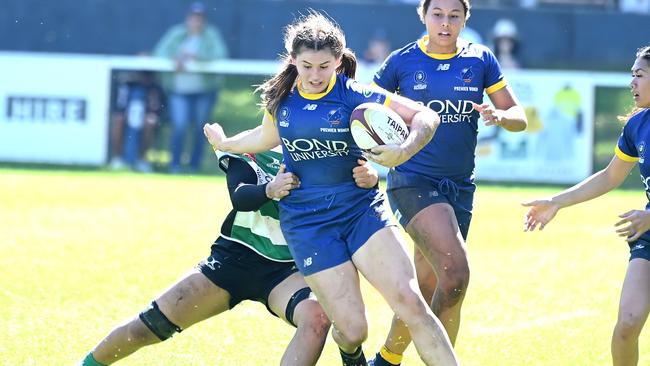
[[426, 122], [241, 203]]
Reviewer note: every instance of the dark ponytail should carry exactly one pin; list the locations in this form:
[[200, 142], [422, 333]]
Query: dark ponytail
[[348, 63], [278, 87]]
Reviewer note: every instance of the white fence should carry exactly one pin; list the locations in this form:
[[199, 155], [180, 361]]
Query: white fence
[[55, 110]]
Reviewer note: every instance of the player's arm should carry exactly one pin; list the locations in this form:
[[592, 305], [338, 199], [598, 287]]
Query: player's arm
[[507, 112], [247, 195], [597, 184], [261, 138], [543, 210], [422, 123]]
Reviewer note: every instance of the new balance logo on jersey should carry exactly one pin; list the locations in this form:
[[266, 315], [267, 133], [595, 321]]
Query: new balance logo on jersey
[[310, 107], [443, 67], [307, 262]]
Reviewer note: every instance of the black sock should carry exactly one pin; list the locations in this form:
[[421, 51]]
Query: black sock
[[356, 358]]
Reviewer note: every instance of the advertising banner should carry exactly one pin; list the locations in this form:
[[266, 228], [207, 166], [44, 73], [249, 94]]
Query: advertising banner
[[53, 108], [557, 146]]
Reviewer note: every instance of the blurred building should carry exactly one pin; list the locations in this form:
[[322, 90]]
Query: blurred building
[[557, 34]]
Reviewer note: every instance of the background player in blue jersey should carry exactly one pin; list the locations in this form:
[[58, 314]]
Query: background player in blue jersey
[[634, 305], [249, 260], [432, 193], [335, 229]]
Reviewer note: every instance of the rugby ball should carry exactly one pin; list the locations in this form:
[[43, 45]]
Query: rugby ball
[[373, 124]]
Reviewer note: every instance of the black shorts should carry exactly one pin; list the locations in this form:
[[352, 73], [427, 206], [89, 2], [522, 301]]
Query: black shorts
[[409, 194], [640, 249], [245, 274]]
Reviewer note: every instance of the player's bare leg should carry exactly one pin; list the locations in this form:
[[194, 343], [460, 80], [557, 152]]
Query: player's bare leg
[[309, 318], [632, 313], [192, 299], [442, 272], [385, 264]]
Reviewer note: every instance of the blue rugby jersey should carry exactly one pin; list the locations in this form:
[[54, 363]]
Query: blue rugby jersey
[[633, 143], [448, 84], [315, 131]]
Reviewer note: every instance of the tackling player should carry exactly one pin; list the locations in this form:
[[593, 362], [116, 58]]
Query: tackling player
[[249, 261]]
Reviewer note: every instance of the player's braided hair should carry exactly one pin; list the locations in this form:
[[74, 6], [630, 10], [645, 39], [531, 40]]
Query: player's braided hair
[[315, 32], [643, 53], [424, 6]]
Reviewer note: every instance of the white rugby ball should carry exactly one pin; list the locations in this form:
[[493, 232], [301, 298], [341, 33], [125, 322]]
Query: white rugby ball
[[373, 124]]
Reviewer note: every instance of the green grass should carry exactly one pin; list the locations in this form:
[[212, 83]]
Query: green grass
[[84, 251]]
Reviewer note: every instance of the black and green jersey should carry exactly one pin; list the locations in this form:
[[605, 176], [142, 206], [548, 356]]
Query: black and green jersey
[[258, 230]]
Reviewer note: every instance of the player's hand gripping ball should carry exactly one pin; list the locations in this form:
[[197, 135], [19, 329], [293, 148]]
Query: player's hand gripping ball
[[373, 124]]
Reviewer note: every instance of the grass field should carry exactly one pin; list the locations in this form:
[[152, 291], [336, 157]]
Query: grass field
[[84, 251]]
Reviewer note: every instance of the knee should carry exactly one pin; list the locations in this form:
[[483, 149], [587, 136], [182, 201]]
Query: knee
[[409, 306], [137, 333], [453, 282], [351, 332], [156, 323], [628, 327], [312, 319]]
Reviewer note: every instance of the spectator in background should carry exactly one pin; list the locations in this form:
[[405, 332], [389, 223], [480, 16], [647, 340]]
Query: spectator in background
[[378, 48], [506, 43], [137, 105], [373, 56], [192, 96]]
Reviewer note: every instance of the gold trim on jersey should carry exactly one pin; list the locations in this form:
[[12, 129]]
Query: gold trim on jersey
[[498, 86], [422, 43], [319, 95], [625, 157], [268, 114]]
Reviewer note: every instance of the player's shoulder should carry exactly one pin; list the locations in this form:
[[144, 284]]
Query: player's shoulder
[[409, 50], [474, 50], [638, 118], [642, 116], [349, 83]]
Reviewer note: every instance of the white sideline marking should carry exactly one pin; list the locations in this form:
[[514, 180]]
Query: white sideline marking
[[534, 323]]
